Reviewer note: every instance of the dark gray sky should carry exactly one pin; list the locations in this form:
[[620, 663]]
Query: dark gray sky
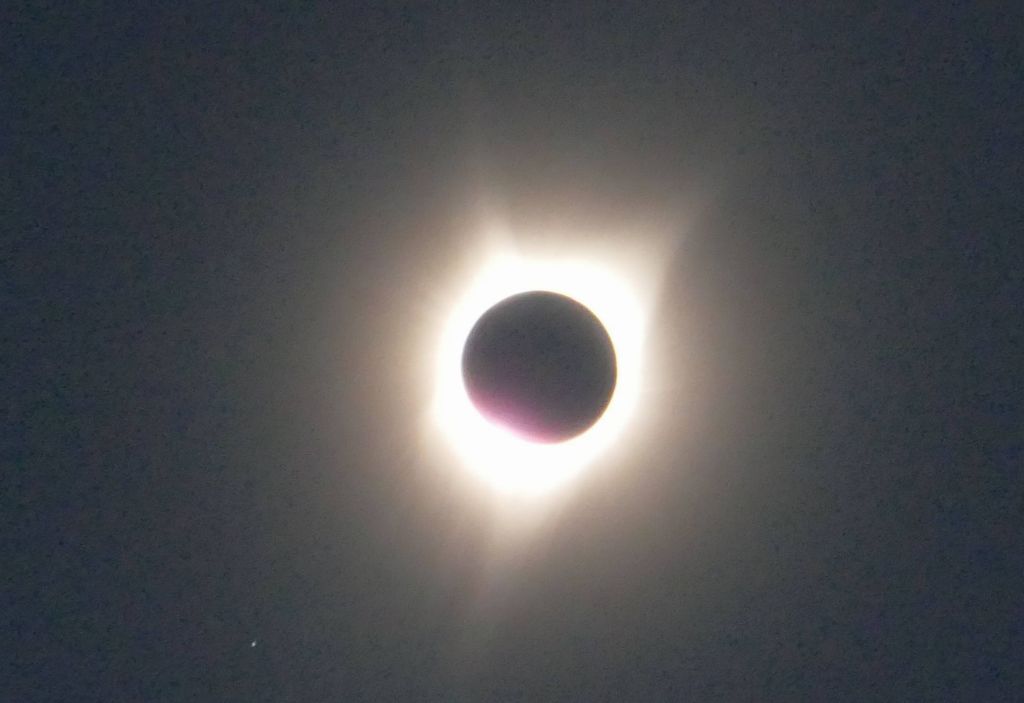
[[224, 224]]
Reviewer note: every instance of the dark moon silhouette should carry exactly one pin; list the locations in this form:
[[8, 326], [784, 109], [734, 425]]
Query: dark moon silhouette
[[541, 364]]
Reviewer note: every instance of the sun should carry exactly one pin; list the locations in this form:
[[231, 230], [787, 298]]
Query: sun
[[494, 454]]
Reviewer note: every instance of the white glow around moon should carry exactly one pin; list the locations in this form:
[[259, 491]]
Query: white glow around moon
[[496, 455]]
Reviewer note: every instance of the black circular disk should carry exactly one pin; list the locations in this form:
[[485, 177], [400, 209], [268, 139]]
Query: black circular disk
[[541, 364]]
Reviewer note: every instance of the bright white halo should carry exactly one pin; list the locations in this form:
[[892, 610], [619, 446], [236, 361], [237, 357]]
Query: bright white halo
[[493, 453]]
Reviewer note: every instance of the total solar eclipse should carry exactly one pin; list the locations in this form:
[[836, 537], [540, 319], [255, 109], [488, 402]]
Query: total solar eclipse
[[540, 364]]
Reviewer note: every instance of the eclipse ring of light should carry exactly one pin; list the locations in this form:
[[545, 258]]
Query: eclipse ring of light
[[500, 455]]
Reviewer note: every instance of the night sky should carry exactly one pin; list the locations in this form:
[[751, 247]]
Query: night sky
[[228, 232]]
